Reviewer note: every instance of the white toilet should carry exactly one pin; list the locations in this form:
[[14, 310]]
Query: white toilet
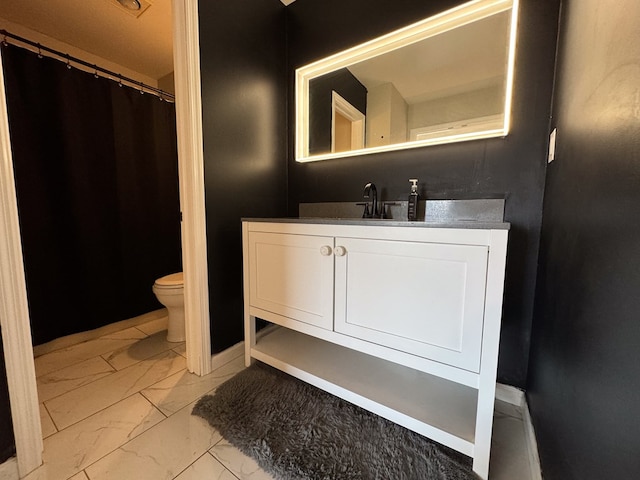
[[170, 292]]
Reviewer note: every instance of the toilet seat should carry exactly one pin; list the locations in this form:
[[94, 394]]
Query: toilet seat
[[172, 281]]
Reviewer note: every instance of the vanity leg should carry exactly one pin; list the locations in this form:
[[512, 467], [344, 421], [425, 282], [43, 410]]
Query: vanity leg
[[489, 357], [249, 320], [484, 428], [249, 338]]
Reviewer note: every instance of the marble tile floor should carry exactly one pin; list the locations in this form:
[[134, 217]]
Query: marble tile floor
[[118, 407]]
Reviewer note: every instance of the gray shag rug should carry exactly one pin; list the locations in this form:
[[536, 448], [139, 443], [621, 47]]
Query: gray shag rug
[[296, 431]]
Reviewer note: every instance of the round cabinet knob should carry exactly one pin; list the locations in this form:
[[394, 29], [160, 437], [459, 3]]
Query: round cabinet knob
[[325, 250], [340, 251]]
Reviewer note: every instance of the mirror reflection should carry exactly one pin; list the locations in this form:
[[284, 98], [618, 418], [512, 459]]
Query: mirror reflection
[[447, 78]]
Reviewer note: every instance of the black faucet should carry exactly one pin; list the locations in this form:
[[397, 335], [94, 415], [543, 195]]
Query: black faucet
[[370, 191]]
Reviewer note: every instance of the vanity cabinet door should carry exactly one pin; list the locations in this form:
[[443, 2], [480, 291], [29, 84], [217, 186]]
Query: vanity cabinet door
[[426, 299], [292, 276]]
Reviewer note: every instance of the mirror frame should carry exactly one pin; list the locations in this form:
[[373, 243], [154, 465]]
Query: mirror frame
[[440, 23]]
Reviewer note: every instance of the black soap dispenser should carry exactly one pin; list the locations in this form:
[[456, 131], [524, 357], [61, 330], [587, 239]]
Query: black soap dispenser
[[412, 206]]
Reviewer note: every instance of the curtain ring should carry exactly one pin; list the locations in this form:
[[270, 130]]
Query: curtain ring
[[120, 80], [68, 61], [4, 40], [95, 71], [39, 51], [141, 88]]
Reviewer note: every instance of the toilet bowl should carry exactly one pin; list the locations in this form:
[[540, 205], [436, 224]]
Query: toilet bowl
[[169, 291]]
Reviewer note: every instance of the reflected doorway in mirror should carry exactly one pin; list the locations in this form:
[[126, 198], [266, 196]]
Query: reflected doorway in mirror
[[347, 125]]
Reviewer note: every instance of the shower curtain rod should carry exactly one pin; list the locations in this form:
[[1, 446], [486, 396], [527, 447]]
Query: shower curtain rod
[[69, 58]]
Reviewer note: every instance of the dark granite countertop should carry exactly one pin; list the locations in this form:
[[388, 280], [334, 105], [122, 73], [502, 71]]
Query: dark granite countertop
[[468, 224]]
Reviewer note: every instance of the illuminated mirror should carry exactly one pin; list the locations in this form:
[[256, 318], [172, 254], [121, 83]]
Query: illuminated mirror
[[445, 79]]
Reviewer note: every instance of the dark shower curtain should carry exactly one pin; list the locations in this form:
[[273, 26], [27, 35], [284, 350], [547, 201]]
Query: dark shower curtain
[[97, 188]]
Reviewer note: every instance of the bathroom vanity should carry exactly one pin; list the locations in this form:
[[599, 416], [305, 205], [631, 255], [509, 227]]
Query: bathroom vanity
[[400, 318]]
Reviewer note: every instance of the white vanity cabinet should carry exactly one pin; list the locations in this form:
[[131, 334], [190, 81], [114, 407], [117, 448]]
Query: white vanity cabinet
[[401, 319], [292, 276], [422, 298]]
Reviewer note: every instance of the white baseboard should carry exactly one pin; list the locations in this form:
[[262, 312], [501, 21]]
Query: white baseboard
[[515, 396], [225, 356], [532, 444], [9, 469], [509, 394]]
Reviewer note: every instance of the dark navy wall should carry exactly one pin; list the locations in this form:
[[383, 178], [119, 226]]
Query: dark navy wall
[[242, 50], [512, 168], [7, 442], [584, 385]]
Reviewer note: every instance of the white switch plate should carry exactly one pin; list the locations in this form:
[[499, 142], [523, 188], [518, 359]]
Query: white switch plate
[[552, 146]]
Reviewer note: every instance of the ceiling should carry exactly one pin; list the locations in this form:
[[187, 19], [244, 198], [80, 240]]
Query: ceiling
[[466, 58], [103, 28]]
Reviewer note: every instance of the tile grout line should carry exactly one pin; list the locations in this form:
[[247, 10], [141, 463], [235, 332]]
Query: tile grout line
[[122, 444], [154, 405], [98, 337], [222, 439], [130, 440], [80, 386], [74, 339], [116, 369], [58, 429], [127, 393], [76, 363], [223, 465], [55, 425], [144, 333]]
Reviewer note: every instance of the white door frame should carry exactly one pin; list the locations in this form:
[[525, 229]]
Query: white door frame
[[14, 314], [186, 59]]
